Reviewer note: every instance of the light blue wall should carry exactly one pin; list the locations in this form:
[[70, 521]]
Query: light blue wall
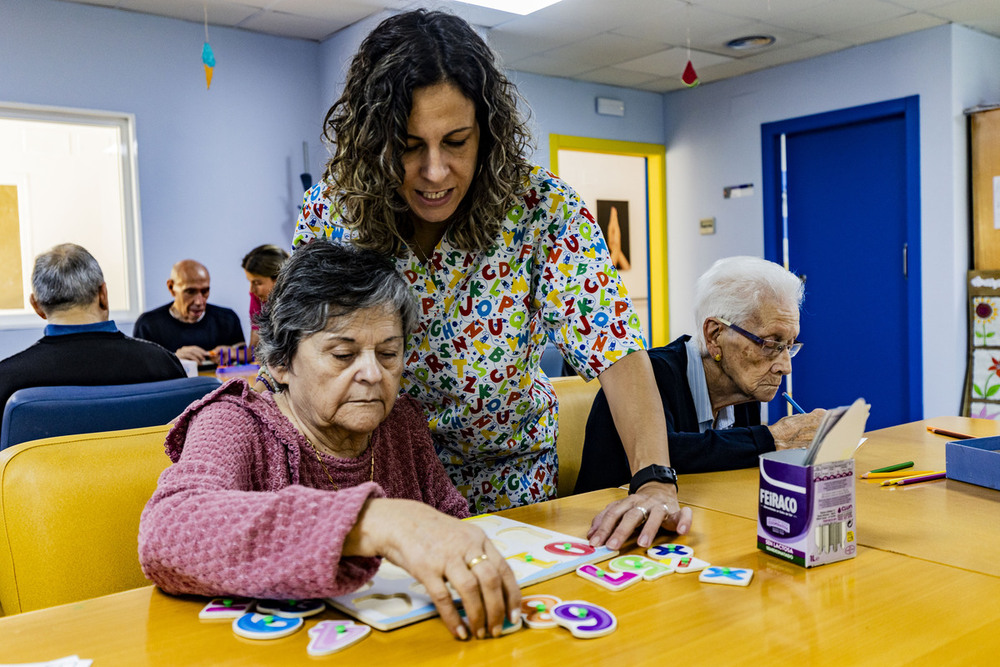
[[713, 140], [218, 169]]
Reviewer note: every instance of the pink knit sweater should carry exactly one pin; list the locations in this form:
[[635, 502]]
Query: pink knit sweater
[[246, 509]]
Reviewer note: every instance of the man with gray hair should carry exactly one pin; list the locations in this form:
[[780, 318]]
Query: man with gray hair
[[81, 346]]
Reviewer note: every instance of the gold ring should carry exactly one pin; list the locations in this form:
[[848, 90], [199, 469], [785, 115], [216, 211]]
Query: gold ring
[[476, 561], [645, 512]]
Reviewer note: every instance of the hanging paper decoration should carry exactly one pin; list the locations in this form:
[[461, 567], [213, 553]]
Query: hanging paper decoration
[[690, 77], [207, 57]]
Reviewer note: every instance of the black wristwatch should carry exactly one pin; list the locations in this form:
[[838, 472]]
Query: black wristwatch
[[653, 473]]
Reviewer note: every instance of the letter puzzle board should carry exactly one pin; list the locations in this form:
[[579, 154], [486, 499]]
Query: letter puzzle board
[[393, 598]]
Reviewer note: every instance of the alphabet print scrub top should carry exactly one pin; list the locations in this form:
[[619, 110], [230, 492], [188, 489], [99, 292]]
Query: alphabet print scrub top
[[474, 361]]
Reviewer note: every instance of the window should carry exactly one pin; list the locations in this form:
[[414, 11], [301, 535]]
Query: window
[[67, 176]]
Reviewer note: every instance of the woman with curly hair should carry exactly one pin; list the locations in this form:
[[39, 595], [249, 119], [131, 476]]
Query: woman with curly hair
[[429, 167]]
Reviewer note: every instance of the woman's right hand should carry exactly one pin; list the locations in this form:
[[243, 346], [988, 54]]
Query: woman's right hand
[[796, 430], [439, 550]]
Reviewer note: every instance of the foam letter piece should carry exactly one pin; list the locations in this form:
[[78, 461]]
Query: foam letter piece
[[508, 627], [220, 609], [569, 548], [331, 636], [526, 557], [685, 564], [291, 608], [585, 620], [610, 581], [732, 576], [536, 610], [662, 551], [648, 569], [265, 626]]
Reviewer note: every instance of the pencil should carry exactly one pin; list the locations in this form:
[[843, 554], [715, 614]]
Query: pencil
[[921, 478], [950, 434], [894, 468], [937, 474], [894, 475], [792, 403]]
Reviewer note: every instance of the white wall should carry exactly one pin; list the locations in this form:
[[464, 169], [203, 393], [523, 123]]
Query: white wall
[[713, 140], [218, 169]]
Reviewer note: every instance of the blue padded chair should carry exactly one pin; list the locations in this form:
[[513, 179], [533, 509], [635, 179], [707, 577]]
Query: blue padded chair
[[552, 361], [46, 412]]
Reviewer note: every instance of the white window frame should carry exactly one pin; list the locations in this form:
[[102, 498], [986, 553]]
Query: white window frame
[[129, 201]]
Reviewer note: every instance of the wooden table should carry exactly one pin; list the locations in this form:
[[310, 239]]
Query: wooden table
[[883, 607], [944, 521]]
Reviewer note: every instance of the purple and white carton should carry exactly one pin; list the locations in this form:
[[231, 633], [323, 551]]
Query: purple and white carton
[[806, 514]]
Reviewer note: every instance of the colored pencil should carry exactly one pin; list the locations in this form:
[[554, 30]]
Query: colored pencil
[[937, 474], [921, 478], [894, 467], [792, 403], [894, 475], [950, 434]]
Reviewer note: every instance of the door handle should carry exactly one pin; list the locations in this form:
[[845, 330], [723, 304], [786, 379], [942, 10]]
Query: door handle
[[905, 267]]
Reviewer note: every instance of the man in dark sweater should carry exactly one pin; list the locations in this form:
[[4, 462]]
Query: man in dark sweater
[[189, 325], [81, 346]]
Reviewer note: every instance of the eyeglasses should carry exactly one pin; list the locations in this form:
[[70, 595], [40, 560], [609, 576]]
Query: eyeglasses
[[769, 348]]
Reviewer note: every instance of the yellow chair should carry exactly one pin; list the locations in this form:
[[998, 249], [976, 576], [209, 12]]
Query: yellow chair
[[575, 398], [69, 515]]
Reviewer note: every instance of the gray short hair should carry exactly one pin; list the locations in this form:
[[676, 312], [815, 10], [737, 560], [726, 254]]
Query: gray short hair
[[64, 277], [735, 288], [324, 280]]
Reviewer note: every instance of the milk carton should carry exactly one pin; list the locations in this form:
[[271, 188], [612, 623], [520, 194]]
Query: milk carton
[[806, 510]]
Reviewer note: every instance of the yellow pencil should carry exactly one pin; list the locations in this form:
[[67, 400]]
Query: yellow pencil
[[895, 475], [890, 482]]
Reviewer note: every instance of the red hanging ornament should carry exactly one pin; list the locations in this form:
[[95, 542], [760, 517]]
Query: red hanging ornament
[[690, 77]]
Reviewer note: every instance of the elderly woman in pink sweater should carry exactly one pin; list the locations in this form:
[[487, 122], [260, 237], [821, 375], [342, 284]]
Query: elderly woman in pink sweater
[[297, 492]]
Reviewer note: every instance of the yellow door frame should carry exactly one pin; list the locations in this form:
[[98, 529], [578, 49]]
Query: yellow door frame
[[656, 192]]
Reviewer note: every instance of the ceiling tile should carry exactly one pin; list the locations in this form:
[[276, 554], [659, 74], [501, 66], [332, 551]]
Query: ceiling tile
[[886, 29], [838, 15], [614, 76], [219, 13], [663, 85], [674, 25], [604, 50], [551, 67], [980, 14], [758, 9], [290, 25], [672, 61], [801, 51]]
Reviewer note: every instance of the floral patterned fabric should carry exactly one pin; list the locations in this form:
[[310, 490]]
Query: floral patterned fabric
[[474, 361]]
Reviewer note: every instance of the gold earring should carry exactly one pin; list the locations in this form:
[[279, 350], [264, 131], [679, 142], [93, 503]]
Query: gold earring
[[718, 357]]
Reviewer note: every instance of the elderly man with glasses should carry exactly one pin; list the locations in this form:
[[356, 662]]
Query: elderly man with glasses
[[712, 386]]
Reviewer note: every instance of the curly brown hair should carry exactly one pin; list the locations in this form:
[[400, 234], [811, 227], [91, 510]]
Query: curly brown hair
[[367, 128]]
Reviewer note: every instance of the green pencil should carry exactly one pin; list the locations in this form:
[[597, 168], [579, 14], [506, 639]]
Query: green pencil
[[893, 468]]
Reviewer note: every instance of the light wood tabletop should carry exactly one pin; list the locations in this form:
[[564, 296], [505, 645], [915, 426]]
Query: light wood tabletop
[[878, 608], [945, 521]]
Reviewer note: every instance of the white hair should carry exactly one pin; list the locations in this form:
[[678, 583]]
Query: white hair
[[735, 288]]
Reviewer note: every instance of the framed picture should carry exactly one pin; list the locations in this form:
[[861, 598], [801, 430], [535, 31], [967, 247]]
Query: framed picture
[[982, 381]]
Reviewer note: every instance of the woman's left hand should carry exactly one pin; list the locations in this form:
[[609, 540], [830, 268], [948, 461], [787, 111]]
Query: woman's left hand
[[653, 506]]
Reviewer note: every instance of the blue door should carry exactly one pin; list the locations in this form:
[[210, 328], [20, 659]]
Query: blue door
[[853, 236]]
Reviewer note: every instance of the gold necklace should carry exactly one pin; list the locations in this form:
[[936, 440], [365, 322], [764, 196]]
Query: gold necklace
[[327, 470]]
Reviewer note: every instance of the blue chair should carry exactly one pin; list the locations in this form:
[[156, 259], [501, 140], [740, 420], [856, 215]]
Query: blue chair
[[46, 412], [552, 361]]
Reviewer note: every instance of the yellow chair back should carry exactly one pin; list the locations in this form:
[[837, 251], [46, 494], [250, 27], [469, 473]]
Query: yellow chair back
[[69, 515], [575, 398]]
